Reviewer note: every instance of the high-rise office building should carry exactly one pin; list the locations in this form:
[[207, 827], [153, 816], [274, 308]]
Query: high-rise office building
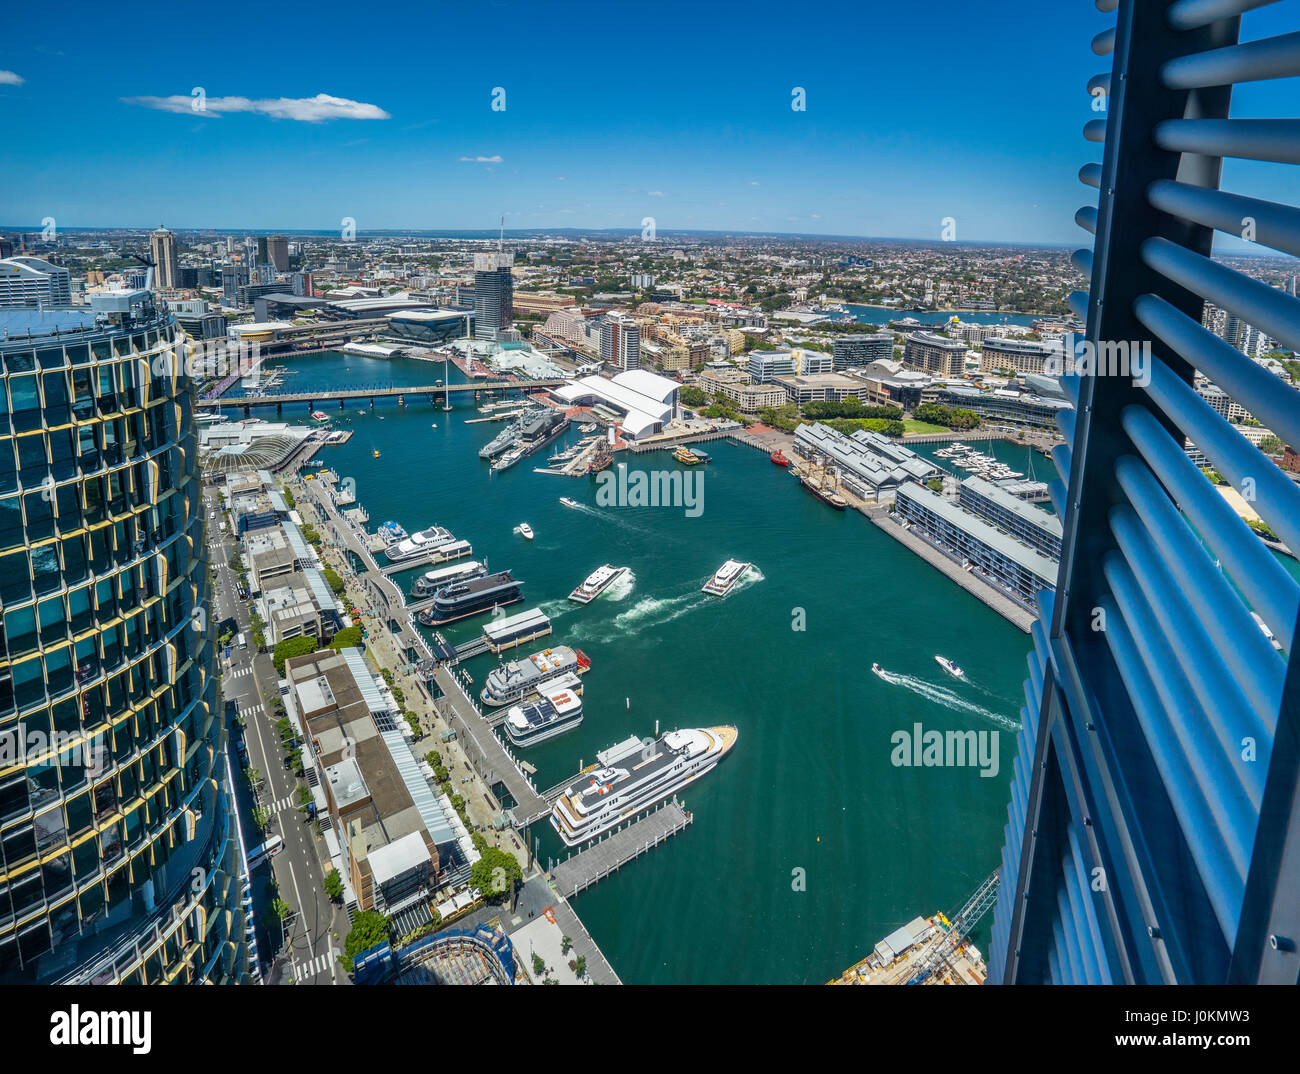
[[29, 281], [120, 860], [277, 249], [162, 248], [1153, 833], [620, 342], [494, 292], [263, 251]]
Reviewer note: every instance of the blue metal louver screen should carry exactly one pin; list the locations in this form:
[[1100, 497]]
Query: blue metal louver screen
[[1154, 829]]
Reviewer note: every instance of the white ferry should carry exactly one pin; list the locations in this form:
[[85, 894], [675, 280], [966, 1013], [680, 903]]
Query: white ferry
[[596, 583], [552, 714], [418, 545], [517, 679], [633, 776], [726, 577], [431, 581]]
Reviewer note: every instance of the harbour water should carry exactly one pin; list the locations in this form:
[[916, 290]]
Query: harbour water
[[809, 844]]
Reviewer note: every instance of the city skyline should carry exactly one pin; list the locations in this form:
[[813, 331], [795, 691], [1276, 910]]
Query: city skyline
[[700, 135]]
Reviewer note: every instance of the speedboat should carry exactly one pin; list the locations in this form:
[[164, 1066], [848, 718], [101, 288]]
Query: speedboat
[[568, 502], [878, 670], [524, 530], [951, 668]]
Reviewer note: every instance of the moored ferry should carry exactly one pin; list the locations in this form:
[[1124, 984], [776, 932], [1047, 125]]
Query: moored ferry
[[686, 456], [596, 583], [418, 545], [553, 713], [725, 578], [460, 600], [632, 776], [431, 581], [518, 678]]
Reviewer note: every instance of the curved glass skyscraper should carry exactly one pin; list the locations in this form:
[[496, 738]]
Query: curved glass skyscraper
[[119, 859]]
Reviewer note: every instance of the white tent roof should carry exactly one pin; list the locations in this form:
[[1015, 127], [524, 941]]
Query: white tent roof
[[651, 385]]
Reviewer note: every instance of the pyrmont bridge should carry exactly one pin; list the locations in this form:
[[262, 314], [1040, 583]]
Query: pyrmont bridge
[[372, 392]]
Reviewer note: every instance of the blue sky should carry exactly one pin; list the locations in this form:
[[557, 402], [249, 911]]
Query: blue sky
[[915, 112]]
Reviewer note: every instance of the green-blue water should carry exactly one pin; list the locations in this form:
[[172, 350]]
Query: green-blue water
[[810, 785]]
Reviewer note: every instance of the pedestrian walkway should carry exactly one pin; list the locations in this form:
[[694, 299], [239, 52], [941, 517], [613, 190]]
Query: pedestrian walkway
[[320, 966]]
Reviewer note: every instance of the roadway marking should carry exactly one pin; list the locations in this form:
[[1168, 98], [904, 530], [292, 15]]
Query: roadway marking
[[316, 966]]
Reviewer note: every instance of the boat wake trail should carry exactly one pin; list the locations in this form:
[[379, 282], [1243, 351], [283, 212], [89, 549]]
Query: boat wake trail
[[622, 588], [948, 699]]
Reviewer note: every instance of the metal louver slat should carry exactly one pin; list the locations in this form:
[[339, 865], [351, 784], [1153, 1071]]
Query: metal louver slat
[[1265, 307], [1249, 383], [1192, 14], [1274, 57], [1277, 140], [1275, 225], [1273, 593]]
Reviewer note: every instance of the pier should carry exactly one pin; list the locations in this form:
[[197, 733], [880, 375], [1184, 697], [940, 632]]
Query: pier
[[1009, 609], [372, 392], [610, 853]]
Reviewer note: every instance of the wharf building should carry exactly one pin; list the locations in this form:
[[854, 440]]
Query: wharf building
[[819, 387], [394, 838], [989, 552], [120, 854], [937, 355], [871, 466]]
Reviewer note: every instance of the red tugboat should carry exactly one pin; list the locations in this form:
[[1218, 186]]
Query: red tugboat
[[779, 458]]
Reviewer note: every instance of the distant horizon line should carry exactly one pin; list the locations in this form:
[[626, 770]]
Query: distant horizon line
[[492, 233]]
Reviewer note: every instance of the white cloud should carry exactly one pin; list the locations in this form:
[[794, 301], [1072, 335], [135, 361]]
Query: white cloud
[[754, 182], [8, 78], [655, 193], [304, 109], [481, 160]]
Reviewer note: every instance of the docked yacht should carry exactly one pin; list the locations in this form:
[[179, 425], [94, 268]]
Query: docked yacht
[[519, 678], [725, 578], [596, 583], [418, 545], [431, 581], [632, 776], [460, 600], [552, 714]]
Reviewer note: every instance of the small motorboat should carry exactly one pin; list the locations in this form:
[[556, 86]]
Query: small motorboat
[[524, 530], [568, 502], [951, 668], [878, 670], [376, 453]]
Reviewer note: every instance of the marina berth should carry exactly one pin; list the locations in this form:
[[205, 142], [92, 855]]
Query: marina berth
[[726, 577], [460, 600], [596, 583], [632, 776], [516, 679], [418, 545], [431, 581], [552, 714]]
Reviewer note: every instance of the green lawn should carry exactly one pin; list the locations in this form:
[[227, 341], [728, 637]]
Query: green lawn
[[913, 426]]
